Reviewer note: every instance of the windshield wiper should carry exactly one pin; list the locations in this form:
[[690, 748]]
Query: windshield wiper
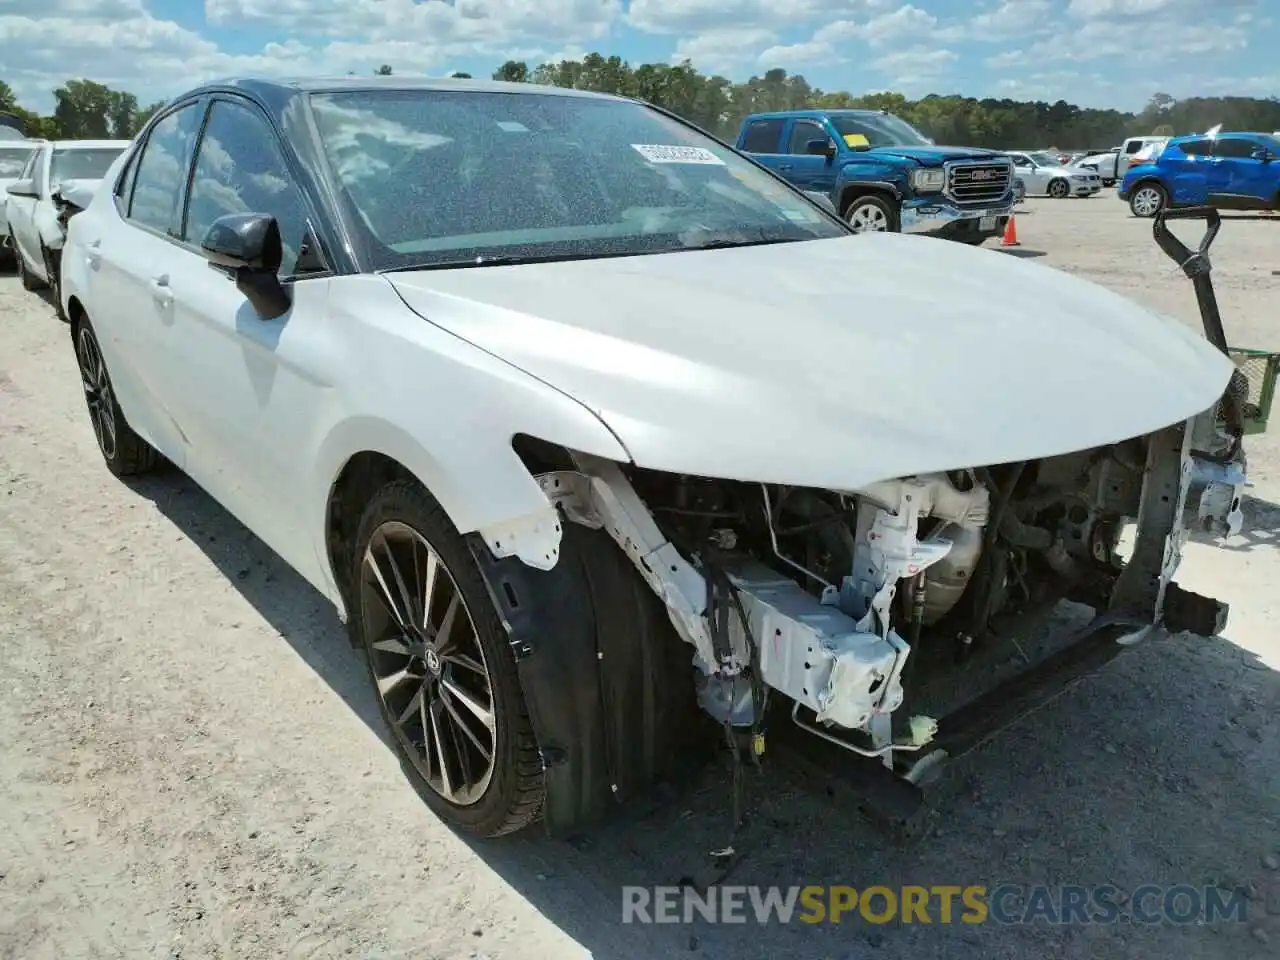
[[502, 260]]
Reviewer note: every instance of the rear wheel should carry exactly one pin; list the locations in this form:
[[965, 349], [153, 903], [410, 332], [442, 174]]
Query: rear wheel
[[871, 214], [126, 454], [1147, 200], [442, 666]]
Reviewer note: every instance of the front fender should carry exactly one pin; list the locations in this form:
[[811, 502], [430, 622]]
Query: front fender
[[878, 176]]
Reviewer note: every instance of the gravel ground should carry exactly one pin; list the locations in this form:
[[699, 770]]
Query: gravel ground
[[191, 765]]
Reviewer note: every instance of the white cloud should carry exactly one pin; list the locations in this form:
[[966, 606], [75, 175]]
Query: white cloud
[[796, 57], [1014, 18], [1139, 41], [724, 50], [687, 17], [915, 62]]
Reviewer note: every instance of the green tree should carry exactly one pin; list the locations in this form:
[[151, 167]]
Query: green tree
[[383, 71], [513, 71]]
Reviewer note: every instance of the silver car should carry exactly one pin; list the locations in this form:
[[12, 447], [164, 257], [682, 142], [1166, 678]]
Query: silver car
[[1044, 176]]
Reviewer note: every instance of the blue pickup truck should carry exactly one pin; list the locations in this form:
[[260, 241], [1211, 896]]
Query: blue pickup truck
[[882, 174]]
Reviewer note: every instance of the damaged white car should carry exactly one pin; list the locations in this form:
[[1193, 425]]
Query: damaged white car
[[584, 422]]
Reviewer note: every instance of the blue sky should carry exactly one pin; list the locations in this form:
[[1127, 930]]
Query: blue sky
[[1092, 52]]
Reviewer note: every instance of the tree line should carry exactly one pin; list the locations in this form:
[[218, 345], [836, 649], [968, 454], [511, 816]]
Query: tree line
[[85, 109]]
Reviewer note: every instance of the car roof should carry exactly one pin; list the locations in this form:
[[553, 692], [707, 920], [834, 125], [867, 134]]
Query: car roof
[[1191, 137], [816, 114], [88, 144], [274, 89]]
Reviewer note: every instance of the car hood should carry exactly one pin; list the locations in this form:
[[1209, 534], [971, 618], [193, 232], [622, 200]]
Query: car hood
[[931, 156], [832, 363]]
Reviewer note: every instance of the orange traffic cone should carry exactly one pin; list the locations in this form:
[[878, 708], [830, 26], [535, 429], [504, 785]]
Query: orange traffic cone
[[1010, 238]]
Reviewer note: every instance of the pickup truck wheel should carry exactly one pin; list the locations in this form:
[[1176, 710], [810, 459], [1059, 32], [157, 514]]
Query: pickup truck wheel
[[871, 214], [1059, 189], [1148, 200], [442, 666]]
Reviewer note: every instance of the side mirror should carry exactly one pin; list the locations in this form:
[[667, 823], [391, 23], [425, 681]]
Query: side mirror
[[820, 148], [249, 245], [822, 200], [22, 188], [1261, 153]]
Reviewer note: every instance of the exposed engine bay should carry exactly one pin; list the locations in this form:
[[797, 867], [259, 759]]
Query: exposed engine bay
[[831, 598]]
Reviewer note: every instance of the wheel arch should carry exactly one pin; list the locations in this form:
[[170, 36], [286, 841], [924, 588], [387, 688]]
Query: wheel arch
[[856, 190]]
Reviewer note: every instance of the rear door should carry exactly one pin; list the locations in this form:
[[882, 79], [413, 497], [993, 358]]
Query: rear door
[[1189, 171], [805, 170], [763, 140], [1245, 180], [130, 260]]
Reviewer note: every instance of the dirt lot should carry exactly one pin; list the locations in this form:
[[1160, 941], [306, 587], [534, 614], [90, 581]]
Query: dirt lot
[[191, 768]]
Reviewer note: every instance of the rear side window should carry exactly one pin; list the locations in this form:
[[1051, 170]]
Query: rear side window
[[1133, 146], [162, 170], [1196, 148], [763, 136], [12, 161], [1242, 149]]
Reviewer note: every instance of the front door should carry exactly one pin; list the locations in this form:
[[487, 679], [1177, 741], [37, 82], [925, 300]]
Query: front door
[[252, 388], [21, 211], [810, 171], [1246, 180]]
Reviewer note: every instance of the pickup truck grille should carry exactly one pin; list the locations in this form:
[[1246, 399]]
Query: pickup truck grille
[[978, 182]]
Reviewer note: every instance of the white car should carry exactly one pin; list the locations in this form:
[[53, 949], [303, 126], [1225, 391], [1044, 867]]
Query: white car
[[1044, 176], [58, 179], [14, 154], [579, 452], [1112, 164]]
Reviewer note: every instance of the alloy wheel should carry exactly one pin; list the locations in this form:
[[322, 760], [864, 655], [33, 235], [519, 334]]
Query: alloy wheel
[[1058, 189], [1147, 202], [97, 391], [428, 663], [868, 218]]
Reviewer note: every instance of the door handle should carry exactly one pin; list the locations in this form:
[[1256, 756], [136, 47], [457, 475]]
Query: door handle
[[160, 290], [93, 252]]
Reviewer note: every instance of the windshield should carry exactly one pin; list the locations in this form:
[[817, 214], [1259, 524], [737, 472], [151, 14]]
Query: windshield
[[12, 160], [1271, 143], [84, 163], [434, 177], [880, 129]]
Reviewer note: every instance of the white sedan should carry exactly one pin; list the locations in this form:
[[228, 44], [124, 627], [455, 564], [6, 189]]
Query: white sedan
[[58, 179], [578, 453], [1045, 176]]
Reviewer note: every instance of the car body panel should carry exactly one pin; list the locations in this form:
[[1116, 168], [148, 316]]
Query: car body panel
[[1037, 176], [730, 363]]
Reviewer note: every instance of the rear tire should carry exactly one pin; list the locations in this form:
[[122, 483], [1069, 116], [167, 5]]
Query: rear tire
[[1148, 199], [125, 453], [442, 667]]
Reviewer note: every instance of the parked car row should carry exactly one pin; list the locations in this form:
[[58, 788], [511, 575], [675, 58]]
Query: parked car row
[[56, 181], [598, 466]]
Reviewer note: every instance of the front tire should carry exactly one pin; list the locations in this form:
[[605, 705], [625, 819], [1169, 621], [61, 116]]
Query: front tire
[[871, 214], [125, 453], [1147, 200], [30, 281], [442, 667], [1059, 189]]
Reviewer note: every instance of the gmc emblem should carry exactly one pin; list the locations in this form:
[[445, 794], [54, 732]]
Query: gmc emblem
[[984, 175]]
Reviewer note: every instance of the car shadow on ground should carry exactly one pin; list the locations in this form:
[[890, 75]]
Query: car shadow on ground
[[1163, 769], [1020, 253]]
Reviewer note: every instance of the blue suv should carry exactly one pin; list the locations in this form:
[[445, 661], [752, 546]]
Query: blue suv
[[1231, 171]]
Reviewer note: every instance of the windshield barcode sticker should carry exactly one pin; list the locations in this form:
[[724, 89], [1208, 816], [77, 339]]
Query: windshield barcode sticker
[[658, 153]]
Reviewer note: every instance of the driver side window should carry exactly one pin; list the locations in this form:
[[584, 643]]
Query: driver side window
[[240, 169], [1020, 160], [802, 131]]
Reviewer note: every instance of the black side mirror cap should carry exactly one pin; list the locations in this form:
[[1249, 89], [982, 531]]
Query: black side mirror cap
[[249, 245], [820, 148]]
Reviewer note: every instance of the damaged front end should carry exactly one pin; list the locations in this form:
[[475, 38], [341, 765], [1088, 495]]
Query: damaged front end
[[874, 618]]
